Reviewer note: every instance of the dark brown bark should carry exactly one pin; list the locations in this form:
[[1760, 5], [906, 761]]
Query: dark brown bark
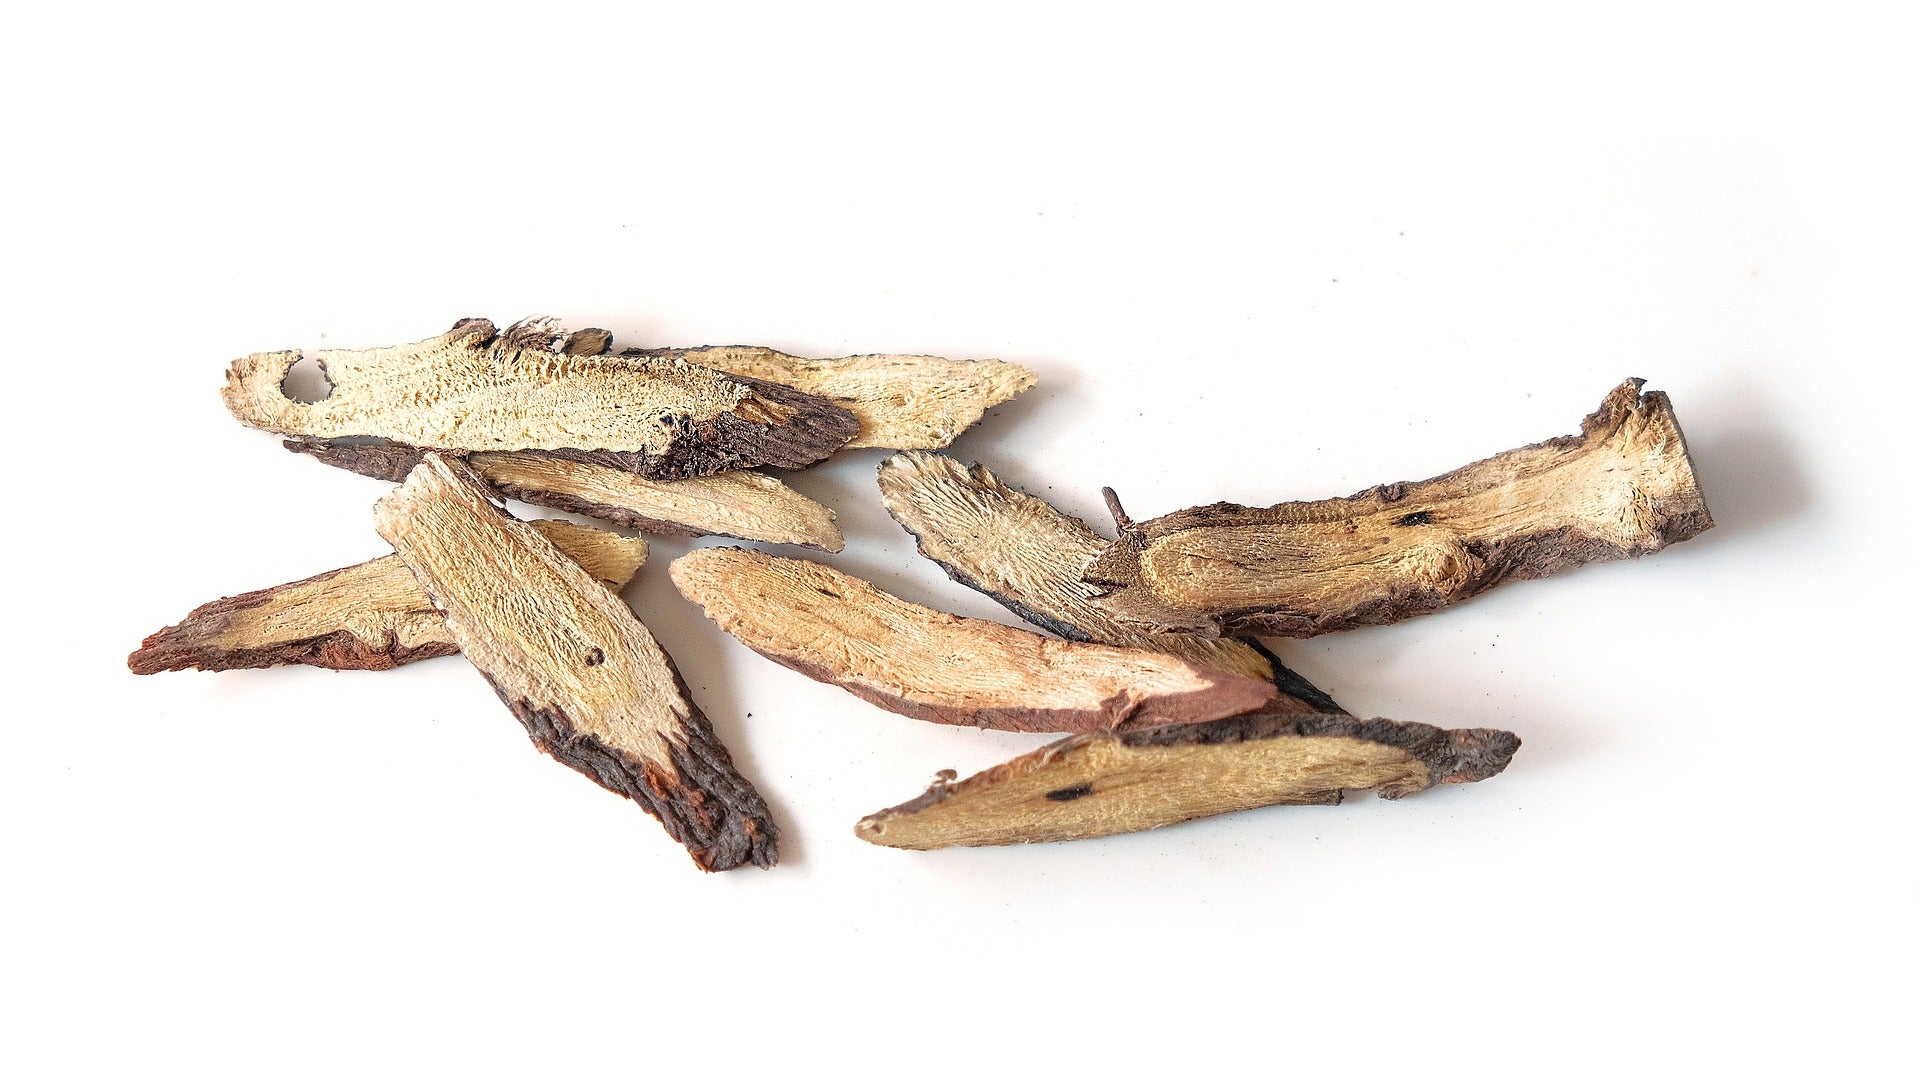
[[701, 799], [382, 460]]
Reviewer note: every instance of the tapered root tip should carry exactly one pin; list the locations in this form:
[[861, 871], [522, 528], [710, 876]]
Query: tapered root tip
[[1475, 754]]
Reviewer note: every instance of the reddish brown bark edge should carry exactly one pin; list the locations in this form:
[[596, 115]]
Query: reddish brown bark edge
[[703, 802]]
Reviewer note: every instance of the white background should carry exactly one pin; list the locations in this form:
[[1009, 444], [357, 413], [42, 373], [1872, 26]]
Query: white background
[[1254, 254]]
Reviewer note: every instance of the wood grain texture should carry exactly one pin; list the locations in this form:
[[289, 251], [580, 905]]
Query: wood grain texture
[[1108, 783], [904, 402], [745, 505], [473, 388], [367, 617], [1622, 488], [933, 666], [592, 686], [1029, 556]]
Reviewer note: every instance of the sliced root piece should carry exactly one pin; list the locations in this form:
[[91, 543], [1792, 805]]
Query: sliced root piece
[[903, 402], [592, 686], [934, 666], [1623, 487], [474, 389], [370, 616], [746, 505], [1102, 784], [1029, 556]]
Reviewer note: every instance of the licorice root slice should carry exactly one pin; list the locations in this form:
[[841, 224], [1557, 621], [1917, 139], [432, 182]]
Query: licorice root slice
[[1119, 782], [473, 389], [934, 666], [370, 616], [570, 660], [1622, 488]]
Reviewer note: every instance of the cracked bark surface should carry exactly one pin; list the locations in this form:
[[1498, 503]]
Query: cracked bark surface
[[367, 617], [475, 389], [1622, 488], [592, 686], [930, 665], [746, 505], [1024, 553], [1107, 783]]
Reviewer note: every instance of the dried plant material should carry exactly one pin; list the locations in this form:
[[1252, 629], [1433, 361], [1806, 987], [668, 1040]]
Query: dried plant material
[[1623, 487], [589, 342], [474, 389], [746, 505], [1108, 783], [903, 402], [592, 686], [371, 616], [1029, 556], [934, 666]]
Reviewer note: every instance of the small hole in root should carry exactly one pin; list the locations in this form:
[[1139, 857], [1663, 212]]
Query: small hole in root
[[596, 658], [307, 381]]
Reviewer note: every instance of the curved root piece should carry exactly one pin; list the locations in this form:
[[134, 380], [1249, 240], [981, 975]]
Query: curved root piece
[[934, 666], [367, 617], [1029, 556], [567, 657], [745, 505], [473, 389], [1103, 784], [1622, 488]]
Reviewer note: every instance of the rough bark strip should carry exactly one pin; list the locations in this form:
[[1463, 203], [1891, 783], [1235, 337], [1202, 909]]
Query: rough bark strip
[[930, 665], [904, 402], [568, 658], [1029, 556], [472, 389], [1622, 488], [367, 617], [1107, 783], [745, 505]]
